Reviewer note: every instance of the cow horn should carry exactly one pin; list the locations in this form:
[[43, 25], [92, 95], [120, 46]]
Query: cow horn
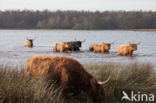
[[103, 83]]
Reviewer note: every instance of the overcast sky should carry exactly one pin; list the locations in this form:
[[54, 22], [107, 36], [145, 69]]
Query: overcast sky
[[91, 5]]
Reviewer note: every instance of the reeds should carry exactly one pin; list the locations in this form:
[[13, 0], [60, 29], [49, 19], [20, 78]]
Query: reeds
[[125, 77], [17, 87]]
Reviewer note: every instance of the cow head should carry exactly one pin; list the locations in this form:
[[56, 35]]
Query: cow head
[[133, 46], [31, 42], [107, 45], [91, 47], [96, 90], [78, 43]]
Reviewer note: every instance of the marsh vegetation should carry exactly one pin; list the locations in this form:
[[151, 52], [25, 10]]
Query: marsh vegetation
[[17, 87]]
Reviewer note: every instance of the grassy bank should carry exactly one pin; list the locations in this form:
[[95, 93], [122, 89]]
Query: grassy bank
[[16, 87]]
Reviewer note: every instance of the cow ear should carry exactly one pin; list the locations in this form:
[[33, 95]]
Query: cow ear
[[93, 84]]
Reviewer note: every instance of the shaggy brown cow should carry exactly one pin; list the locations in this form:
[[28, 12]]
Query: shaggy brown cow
[[60, 47], [68, 73], [91, 47], [28, 43], [128, 49], [103, 47]]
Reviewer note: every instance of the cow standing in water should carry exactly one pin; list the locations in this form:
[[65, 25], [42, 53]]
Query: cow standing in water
[[128, 49], [102, 47], [60, 47], [68, 73], [74, 45], [29, 43], [67, 46]]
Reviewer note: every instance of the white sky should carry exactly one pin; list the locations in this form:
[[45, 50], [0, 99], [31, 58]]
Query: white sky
[[91, 5]]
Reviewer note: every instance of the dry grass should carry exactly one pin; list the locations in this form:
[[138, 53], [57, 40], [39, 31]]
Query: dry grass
[[125, 77], [16, 87]]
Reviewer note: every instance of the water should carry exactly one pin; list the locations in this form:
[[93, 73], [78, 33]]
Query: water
[[13, 52]]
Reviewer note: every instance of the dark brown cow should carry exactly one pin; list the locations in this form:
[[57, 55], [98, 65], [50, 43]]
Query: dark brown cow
[[67, 72], [74, 45], [67, 46]]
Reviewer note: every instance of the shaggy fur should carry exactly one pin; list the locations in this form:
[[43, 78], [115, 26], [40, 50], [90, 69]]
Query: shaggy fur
[[91, 47], [125, 50], [28, 43], [73, 45], [68, 73], [60, 47], [104, 47]]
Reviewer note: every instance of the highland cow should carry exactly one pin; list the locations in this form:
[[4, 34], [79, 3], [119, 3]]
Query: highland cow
[[60, 47], [102, 48], [128, 49], [74, 45], [28, 43], [68, 73]]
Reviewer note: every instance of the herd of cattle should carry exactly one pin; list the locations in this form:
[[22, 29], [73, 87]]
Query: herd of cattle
[[123, 50], [68, 72]]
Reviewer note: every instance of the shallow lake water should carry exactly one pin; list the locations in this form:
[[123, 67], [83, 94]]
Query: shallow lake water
[[13, 52]]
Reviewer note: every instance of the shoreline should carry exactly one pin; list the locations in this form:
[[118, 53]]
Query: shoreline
[[80, 29]]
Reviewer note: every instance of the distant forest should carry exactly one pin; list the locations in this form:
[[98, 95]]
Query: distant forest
[[77, 19]]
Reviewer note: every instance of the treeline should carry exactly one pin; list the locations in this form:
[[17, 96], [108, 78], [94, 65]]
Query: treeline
[[77, 19]]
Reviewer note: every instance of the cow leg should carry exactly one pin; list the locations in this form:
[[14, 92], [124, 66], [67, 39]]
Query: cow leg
[[107, 51], [131, 53]]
